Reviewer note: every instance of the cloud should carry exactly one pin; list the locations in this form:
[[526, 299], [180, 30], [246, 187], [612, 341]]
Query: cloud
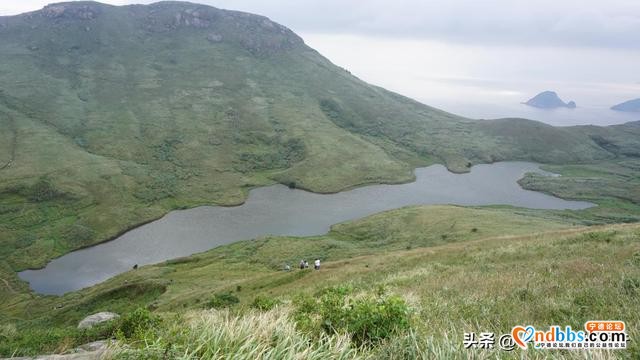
[[590, 23]]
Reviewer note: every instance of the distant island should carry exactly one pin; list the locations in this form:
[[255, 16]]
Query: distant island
[[628, 106], [549, 100]]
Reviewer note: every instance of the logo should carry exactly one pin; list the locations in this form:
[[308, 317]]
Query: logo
[[521, 335], [597, 334]]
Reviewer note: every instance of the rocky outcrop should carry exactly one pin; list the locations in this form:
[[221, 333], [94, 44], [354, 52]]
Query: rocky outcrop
[[193, 18], [214, 38], [257, 34], [71, 11], [92, 320]]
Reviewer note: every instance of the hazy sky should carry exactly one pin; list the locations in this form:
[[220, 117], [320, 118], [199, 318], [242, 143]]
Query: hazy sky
[[611, 23], [446, 51]]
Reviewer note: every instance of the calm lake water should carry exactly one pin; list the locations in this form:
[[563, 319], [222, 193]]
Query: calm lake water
[[278, 210]]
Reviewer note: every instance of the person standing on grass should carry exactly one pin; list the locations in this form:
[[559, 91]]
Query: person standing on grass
[[306, 264], [316, 264], [302, 262]]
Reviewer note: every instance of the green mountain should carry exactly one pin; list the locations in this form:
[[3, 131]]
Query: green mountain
[[111, 116]]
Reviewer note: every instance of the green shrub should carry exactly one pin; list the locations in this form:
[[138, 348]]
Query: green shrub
[[367, 319], [630, 286], [7, 331], [34, 341], [222, 300], [373, 319], [264, 303], [43, 190], [78, 234], [635, 259], [593, 237], [523, 294], [134, 325], [334, 112]]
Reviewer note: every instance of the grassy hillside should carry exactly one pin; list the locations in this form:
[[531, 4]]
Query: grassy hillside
[[369, 249], [484, 285], [111, 116], [614, 185], [458, 269]]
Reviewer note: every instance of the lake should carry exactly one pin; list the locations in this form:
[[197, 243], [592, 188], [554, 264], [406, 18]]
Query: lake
[[278, 210]]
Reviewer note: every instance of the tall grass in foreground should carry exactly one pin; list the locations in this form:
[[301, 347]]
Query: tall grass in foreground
[[564, 278], [223, 334], [220, 334]]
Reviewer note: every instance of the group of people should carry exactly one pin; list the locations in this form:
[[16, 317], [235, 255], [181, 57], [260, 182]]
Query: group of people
[[304, 264]]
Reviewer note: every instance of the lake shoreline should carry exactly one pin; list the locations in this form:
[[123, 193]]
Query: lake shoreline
[[399, 197]]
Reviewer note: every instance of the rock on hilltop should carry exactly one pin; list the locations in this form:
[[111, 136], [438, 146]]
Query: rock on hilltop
[[257, 34]]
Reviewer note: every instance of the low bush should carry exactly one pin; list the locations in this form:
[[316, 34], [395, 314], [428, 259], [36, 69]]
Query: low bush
[[264, 303], [7, 331], [43, 190], [136, 324], [368, 319], [630, 286], [222, 300]]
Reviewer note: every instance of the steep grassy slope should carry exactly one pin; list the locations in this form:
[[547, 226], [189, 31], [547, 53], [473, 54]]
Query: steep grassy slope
[[110, 116], [460, 269]]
